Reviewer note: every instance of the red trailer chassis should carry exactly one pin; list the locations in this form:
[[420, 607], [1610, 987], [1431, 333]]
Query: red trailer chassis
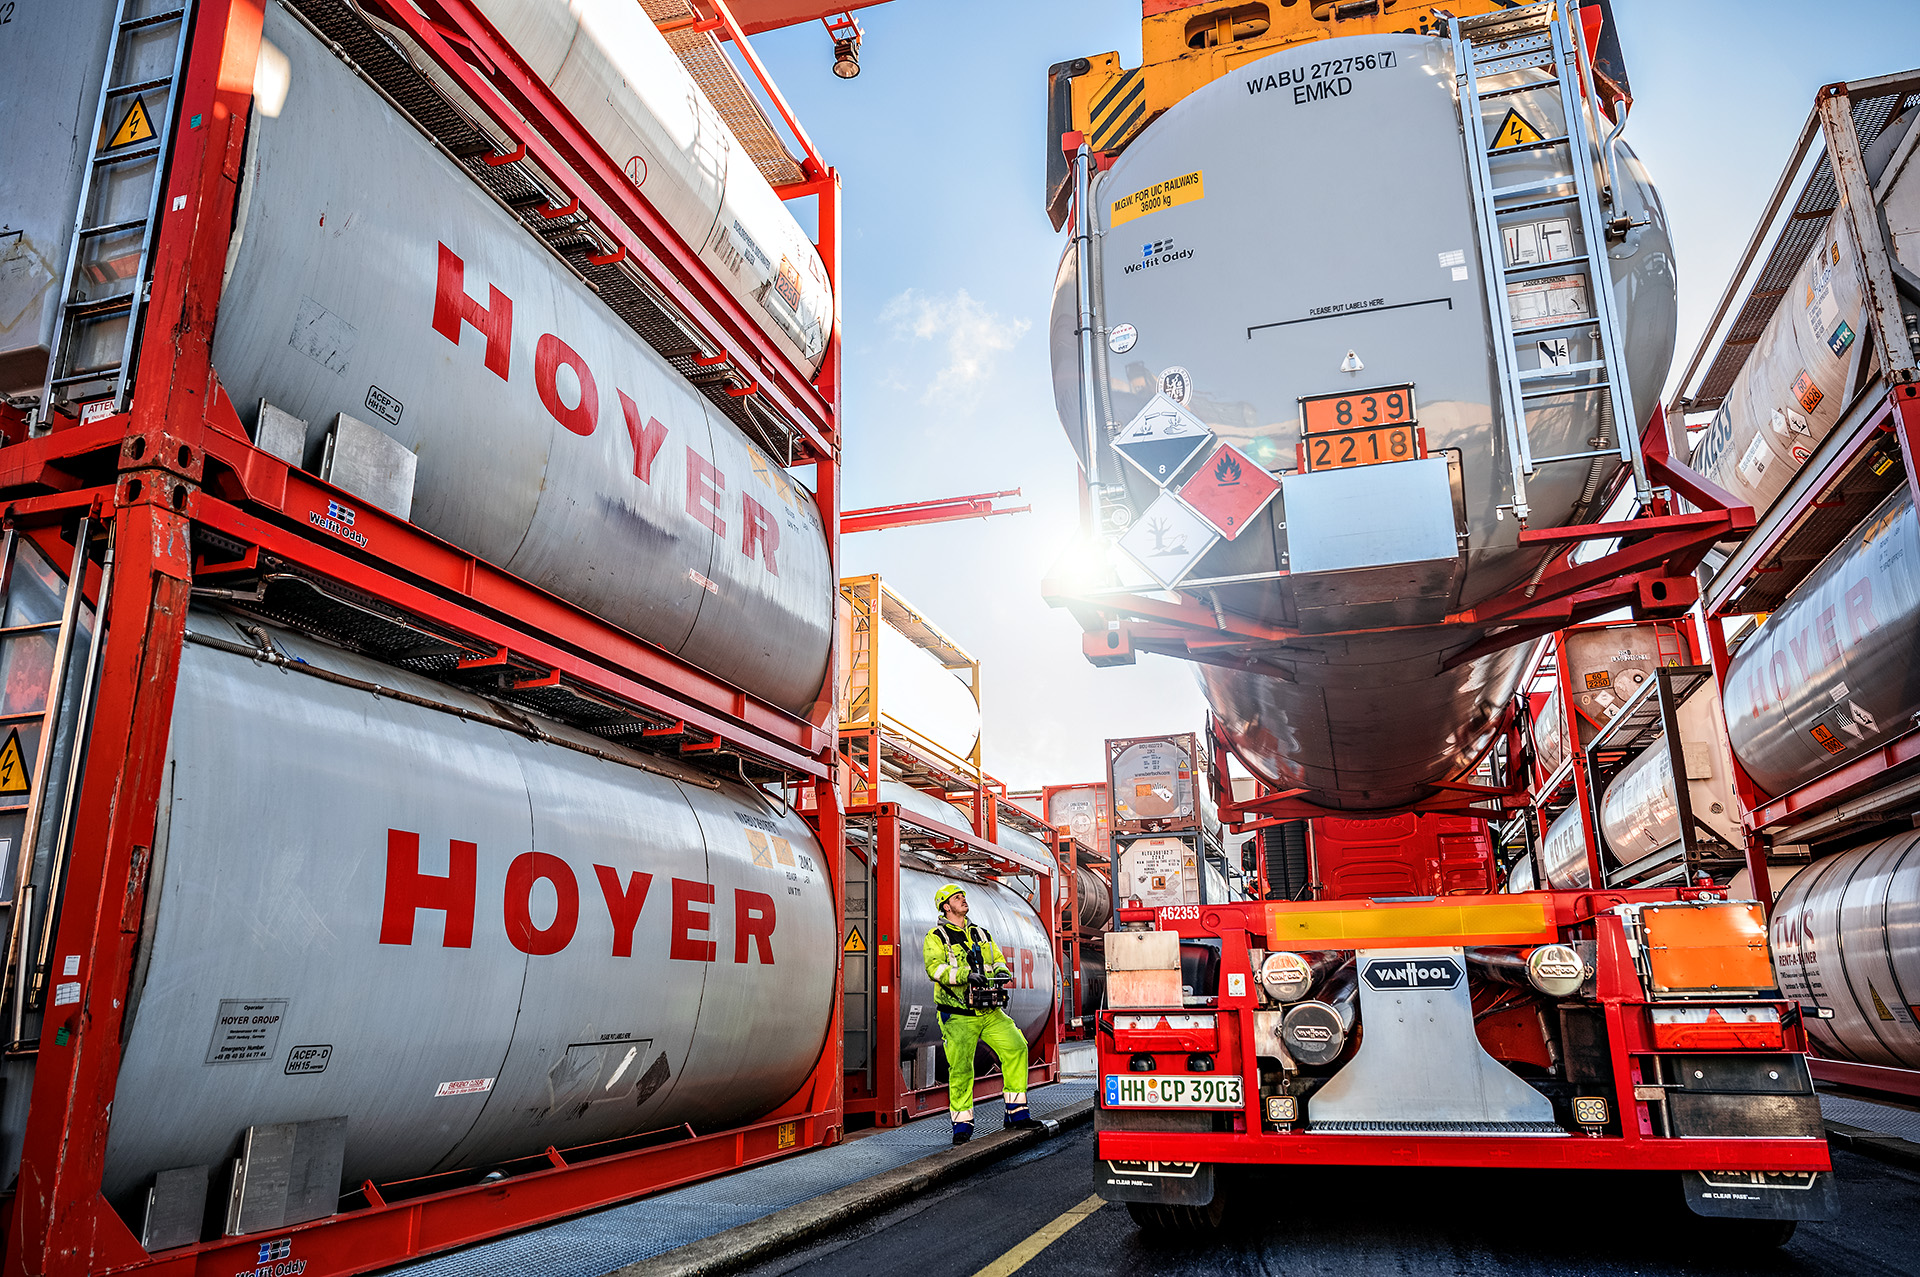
[[1637, 1135]]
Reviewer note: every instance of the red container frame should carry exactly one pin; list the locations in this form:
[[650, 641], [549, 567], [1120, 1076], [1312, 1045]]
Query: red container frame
[[180, 458]]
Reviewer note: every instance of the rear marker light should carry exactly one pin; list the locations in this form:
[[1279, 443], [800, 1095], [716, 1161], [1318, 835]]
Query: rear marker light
[[1717, 1028], [1283, 1110], [1142, 1063], [1200, 1062], [1590, 1110]]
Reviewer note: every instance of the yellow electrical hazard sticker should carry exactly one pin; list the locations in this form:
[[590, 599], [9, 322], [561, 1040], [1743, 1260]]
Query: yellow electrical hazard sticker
[[1175, 190], [1879, 1003], [1515, 131], [135, 126], [13, 767], [854, 944], [789, 1134]]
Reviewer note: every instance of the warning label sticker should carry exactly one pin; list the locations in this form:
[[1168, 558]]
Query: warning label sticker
[[246, 1030], [135, 126], [1515, 131], [1541, 303], [855, 942], [13, 766], [1184, 189], [472, 1086]]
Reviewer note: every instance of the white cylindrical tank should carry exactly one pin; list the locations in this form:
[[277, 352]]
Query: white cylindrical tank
[[1846, 939], [500, 943], [616, 74], [919, 693], [369, 276]]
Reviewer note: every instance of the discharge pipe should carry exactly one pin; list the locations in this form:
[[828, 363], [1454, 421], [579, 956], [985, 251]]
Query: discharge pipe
[[1556, 970], [1316, 1031]]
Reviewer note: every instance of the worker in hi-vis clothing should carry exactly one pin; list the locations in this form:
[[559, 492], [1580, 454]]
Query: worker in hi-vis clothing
[[955, 950]]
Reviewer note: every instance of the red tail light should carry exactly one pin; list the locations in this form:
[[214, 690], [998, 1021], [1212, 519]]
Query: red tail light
[[1154, 1031], [1749, 1028]]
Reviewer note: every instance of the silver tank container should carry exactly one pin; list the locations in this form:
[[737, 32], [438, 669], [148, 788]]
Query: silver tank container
[[1846, 938], [363, 270], [50, 60], [1563, 856], [1832, 676], [1012, 923], [582, 1001], [1346, 224], [1096, 899]]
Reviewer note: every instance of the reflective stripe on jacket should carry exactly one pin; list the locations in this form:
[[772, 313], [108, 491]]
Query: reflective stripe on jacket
[[947, 966]]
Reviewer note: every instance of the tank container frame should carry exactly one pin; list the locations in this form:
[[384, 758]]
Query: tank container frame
[[1845, 477], [189, 504]]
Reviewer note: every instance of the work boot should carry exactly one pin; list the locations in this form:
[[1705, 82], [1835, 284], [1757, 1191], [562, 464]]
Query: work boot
[[1019, 1119], [962, 1132]]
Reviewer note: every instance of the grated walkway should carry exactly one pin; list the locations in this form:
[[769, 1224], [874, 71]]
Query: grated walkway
[[1882, 1119], [597, 1244]]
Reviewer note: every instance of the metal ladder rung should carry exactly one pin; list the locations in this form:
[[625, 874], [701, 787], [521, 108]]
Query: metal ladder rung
[[93, 374], [1524, 147], [137, 86], [1526, 19], [1541, 374], [1512, 89], [1545, 183], [1579, 263], [1532, 206], [152, 20], [1578, 456], [1566, 390], [1529, 334], [1508, 65], [88, 307], [121, 157], [112, 228]]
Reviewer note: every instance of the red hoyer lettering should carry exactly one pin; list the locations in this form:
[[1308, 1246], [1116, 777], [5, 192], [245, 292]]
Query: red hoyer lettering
[[455, 893], [454, 311]]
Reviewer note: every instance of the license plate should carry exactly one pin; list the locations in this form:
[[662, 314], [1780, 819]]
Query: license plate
[[1351, 448], [1156, 1090]]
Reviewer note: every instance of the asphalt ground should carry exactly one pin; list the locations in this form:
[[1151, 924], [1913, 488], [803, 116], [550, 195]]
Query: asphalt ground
[[1032, 1214]]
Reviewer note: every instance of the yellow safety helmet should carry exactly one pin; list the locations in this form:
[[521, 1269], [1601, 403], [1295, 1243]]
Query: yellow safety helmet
[[947, 893]]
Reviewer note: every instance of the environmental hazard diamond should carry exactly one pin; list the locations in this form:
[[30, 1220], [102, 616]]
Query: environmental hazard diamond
[[1162, 438], [1228, 489], [1168, 540]]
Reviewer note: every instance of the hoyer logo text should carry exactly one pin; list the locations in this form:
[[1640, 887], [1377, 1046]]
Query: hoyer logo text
[[757, 532], [1318, 80], [694, 933]]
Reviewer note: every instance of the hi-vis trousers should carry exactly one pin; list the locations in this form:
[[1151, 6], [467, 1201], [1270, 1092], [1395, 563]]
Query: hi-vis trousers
[[961, 1035]]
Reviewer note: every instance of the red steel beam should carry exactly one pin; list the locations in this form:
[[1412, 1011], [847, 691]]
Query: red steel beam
[[535, 118], [1866, 1077], [1576, 1153], [914, 513]]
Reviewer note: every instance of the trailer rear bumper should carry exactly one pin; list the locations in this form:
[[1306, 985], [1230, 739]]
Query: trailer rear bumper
[[1568, 1152]]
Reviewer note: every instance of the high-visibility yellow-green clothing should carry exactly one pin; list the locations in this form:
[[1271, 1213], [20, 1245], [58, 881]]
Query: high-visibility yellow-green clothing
[[962, 1034], [946, 952]]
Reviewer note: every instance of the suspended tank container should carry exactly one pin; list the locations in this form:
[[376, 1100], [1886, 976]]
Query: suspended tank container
[[1290, 288]]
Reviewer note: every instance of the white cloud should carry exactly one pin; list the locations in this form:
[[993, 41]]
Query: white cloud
[[974, 337]]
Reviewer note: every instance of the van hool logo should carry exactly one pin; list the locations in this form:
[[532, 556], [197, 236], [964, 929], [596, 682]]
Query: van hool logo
[[1412, 973]]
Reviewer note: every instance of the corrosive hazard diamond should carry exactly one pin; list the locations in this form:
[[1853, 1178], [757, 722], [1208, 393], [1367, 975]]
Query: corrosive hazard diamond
[[1162, 438], [1228, 490]]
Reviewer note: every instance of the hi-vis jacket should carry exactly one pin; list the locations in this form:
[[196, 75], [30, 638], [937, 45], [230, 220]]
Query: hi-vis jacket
[[946, 953]]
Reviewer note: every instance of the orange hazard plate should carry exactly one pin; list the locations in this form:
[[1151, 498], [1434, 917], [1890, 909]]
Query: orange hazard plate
[[1359, 428], [1707, 948]]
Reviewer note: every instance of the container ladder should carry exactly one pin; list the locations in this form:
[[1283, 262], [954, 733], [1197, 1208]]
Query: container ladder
[[49, 668], [1493, 55], [105, 286]]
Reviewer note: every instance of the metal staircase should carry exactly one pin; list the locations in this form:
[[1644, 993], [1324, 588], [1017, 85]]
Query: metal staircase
[[105, 286], [1544, 239]]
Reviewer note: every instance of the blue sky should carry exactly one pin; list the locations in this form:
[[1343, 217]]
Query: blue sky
[[949, 261]]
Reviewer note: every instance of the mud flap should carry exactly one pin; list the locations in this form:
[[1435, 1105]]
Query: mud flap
[[1161, 1183], [1808, 1195]]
